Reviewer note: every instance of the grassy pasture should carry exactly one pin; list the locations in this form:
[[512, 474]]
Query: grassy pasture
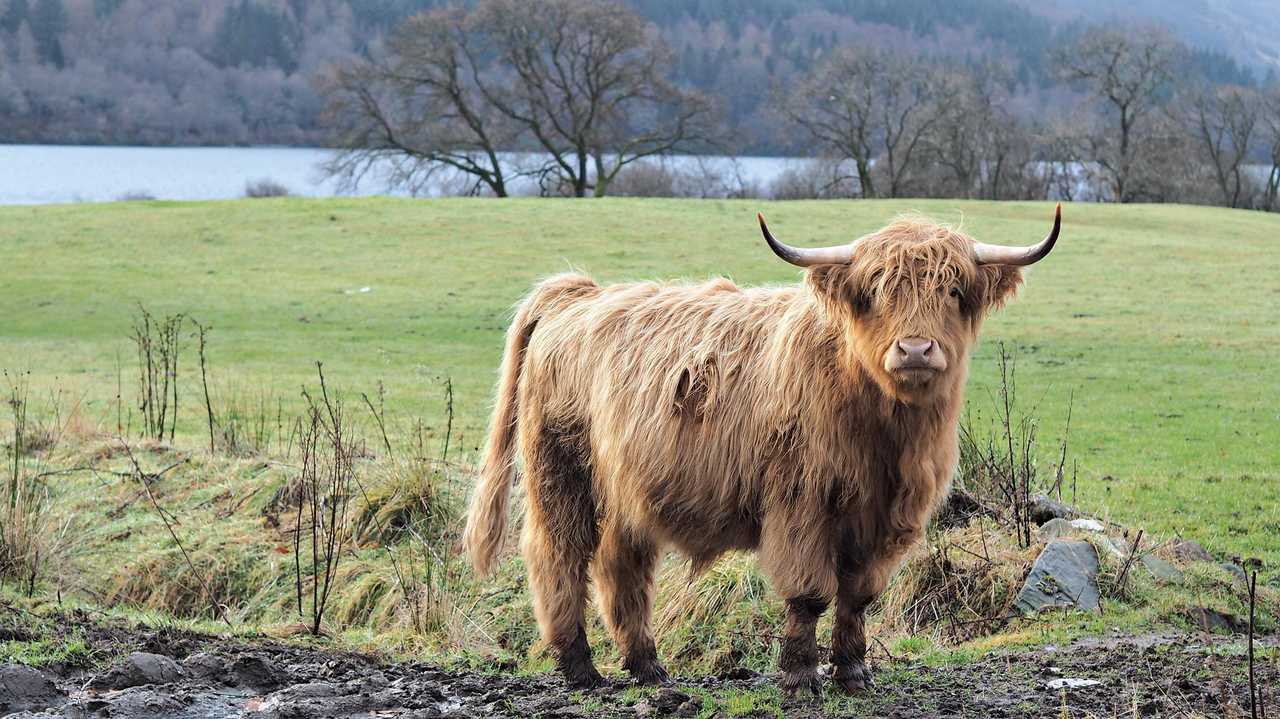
[[1160, 321]]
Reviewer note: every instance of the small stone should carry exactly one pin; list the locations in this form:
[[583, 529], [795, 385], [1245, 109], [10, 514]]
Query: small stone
[[1071, 683], [1089, 525], [1211, 620], [1055, 528], [667, 699], [1162, 570], [957, 509], [689, 708], [253, 671], [644, 709], [1044, 509], [1190, 551], [1064, 575], [1117, 548], [26, 689], [138, 669], [203, 665], [1237, 573]]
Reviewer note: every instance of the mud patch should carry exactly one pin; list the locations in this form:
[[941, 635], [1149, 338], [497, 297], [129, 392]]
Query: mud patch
[[144, 673]]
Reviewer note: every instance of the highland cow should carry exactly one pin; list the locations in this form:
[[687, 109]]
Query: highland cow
[[814, 424]]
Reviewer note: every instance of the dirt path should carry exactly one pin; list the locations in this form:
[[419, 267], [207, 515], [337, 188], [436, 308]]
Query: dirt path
[[177, 674]]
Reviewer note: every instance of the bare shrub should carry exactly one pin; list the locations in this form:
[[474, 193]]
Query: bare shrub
[[999, 465], [265, 187], [645, 179], [158, 344], [329, 449], [135, 196], [819, 179]]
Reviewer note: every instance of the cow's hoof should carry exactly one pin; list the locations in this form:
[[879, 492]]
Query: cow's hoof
[[583, 677], [802, 681], [853, 678], [580, 673], [648, 673]]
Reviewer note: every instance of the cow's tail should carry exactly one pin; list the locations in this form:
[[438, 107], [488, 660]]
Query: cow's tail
[[487, 514]]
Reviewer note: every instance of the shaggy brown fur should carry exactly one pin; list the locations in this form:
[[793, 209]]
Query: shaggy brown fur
[[709, 417]]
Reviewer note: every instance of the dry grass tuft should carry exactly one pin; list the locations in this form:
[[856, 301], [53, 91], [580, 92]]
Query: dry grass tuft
[[958, 586]]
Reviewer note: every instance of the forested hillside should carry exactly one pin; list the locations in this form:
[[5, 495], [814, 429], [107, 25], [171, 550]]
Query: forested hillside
[[244, 71]]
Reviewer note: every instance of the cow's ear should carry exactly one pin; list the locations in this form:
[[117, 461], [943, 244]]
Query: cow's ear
[[997, 284], [837, 286]]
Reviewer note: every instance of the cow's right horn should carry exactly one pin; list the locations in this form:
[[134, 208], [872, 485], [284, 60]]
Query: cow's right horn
[[1001, 255], [805, 257]]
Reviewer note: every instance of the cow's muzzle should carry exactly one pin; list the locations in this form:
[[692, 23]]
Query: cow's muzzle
[[915, 356]]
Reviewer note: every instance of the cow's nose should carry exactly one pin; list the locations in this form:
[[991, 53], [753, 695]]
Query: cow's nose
[[915, 351]]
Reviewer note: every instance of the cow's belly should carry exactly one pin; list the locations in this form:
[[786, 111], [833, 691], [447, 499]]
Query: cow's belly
[[700, 516]]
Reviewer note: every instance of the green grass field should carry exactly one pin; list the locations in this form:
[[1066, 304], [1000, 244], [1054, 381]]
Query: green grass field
[[1160, 321]]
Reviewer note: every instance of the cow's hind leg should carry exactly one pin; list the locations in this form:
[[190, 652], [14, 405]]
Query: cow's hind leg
[[624, 568], [560, 537]]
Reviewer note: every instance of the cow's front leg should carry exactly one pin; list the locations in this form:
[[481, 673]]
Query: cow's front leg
[[849, 642], [799, 660]]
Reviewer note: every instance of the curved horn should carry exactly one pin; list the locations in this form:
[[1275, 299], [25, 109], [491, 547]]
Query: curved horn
[[802, 256], [1002, 255]]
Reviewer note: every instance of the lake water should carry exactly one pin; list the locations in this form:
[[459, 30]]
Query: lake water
[[39, 174]]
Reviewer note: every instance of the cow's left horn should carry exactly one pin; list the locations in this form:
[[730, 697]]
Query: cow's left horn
[[1001, 255], [803, 256]]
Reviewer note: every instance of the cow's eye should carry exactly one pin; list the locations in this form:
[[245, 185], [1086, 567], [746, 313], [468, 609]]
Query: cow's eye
[[955, 292]]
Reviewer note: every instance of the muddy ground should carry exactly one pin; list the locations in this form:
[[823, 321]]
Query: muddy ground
[[130, 672]]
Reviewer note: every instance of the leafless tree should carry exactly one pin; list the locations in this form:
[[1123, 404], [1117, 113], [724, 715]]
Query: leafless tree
[[586, 79], [871, 107], [583, 81], [1222, 122], [1126, 71], [1271, 136], [984, 146], [417, 110]]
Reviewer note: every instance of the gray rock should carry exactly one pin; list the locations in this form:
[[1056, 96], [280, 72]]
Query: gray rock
[[138, 669], [1237, 573], [141, 702], [667, 699], [1044, 509], [1191, 551], [1055, 528], [251, 670], [204, 665], [23, 689], [1211, 620], [1162, 570], [1064, 575]]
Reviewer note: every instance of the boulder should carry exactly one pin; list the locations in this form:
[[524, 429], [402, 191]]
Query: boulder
[[1044, 509], [1064, 575], [26, 689]]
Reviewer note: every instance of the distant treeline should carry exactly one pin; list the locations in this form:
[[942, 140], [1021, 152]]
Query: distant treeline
[[244, 71]]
